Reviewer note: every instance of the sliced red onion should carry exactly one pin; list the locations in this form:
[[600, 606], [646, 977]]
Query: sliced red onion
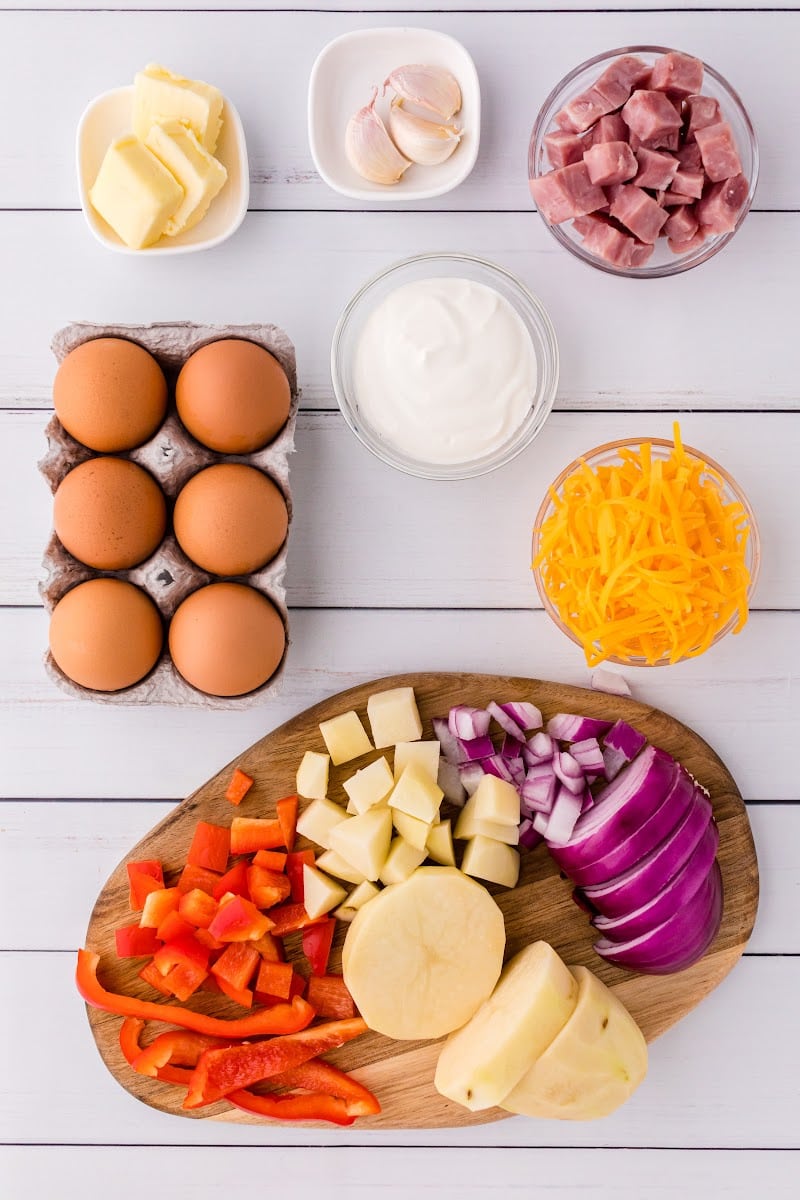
[[537, 794], [528, 837], [467, 723], [470, 775], [603, 680], [445, 738], [473, 749], [589, 756], [524, 714], [569, 727], [588, 800], [495, 764], [542, 745], [566, 811], [506, 723], [512, 747], [624, 738], [449, 781]]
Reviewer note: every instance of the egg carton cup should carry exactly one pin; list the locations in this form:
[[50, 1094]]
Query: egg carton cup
[[172, 456]]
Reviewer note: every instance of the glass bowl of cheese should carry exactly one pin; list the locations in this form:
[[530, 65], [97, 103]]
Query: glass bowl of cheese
[[645, 552]]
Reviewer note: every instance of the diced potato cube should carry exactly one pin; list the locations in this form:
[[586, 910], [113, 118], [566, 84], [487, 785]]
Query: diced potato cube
[[320, 894], [363, 841], [417, 794], [411, 828], [351, 809], [345, 737], [402, 861], [394, 717], [496, 800], [312, 775], [424, 754], [360, 896], [318, 820], [370, 786], [487, 859], [440, 844], [333, 864], [469, 826]]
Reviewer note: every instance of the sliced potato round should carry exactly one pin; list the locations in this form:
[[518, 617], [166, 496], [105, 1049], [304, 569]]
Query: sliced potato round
[[422, 956]]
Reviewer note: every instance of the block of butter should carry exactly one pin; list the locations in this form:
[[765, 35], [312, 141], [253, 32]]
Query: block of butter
[[135, 193], [158, 95], [198, 173]]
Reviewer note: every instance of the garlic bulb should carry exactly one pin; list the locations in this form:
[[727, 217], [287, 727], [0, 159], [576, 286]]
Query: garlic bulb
[[370, 150], [433, 88], [422, 141]]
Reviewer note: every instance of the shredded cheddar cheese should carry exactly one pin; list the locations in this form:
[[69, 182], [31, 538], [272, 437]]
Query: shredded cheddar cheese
[[645, 559]]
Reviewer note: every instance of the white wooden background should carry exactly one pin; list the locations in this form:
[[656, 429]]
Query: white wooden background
[[390, 573]]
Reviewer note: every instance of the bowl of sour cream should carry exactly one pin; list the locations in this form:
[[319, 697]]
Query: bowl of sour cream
[[445, 366]]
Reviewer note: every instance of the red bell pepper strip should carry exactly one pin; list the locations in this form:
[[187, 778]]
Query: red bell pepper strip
[[239, 786], [283, 1019], [198, 877], [307, 1106], [238, 920], [287, 819], [234, 880], [134, 942], [237, 964], [294, 871], [254, 833], [275, 978], [157, 906], [317, 1075], [129, 1033], [317, 942], [273, 860], [288, 918], [219, 1072], [328, 994], [143, 878], [198, 908], [175, 1048], [267, 888]]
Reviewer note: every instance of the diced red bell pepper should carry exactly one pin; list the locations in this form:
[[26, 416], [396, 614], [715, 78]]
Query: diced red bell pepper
[[297, 986], [267, 888], [282, 1019], [143, 878], [237, 964], [295, 861], [288, 918], [328, 995], [184, 979], [134, 942], [320, 1076], [157, 905], [239, 786], [183, 964], [198, 877], [273, 860], [219, 1072], [304, 1106], [210, 984], [269, 948], [255, 833], [234, 880], [210, 848], [172, 925], [243, 996], [207, 939], [317, 942], [238, 920], [151, 974], [198, 908], [275, 979], [287, 819]]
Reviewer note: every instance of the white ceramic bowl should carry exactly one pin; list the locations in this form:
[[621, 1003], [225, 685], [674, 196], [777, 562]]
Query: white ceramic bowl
[[341, 83], [108, 117]]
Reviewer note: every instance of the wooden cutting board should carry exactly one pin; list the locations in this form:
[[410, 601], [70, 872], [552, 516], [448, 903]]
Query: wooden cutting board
[[401, 1073]]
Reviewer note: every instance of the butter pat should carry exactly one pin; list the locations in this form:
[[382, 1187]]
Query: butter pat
[[161, 96], [135, 193], [198, 173]]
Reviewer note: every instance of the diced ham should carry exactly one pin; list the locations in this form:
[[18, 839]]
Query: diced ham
[[689, 183], [620, 78], [671, 198], [680, 74], [580, 113], [610, 128], [682, 224], [641, 253], [688, 157], [638, 212], [564, 147], [567, 192], [665, 141], [685, 247], [610, 162], [719, 209], [650, 116], [703, 111], [656, 170], [606, 241], [718, 151]]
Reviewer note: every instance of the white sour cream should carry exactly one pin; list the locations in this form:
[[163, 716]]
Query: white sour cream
[[445, 370]]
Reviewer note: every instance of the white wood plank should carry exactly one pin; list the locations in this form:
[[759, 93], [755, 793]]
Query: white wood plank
[[409, 6], [721, 336], [79, 844], [358, 525], [739, 696], [726, 1076], [262, 61], [341, 1174]]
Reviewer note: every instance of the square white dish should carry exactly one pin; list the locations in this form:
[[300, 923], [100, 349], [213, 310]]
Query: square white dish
[[108, 117], [342, 79]]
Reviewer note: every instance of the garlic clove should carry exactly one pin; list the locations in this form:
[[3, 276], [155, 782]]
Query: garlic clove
[[370, 150], [433, 88], [422, 141]]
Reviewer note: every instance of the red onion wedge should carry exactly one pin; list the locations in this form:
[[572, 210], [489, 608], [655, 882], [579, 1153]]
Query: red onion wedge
[[474, 749], [604, 680], [566, 811], [506, 723], [526, 715], [678, 941], [449, 781], [542, 746], [447, 741], [568, 727], [468, 723]]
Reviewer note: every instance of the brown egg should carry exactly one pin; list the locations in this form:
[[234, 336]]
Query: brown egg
[[109, 513], [233, 396], [226, 639], [106, 634], [110, 394], [230, 519]]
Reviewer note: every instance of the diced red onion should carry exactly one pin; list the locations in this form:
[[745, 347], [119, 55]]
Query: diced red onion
[[495, 764], [512, 747], [538, 793], [517, 769], [524, 714], [449, 781], [589, 756], [542, 745], [613, 763], [566, 811], [445, 738], [588, 800], [625, 739], [604, 680], [569, 727], [468, 723], [473, 749], [540, 821], [506, 723], [528, 836], [470, 775], [569, 772]]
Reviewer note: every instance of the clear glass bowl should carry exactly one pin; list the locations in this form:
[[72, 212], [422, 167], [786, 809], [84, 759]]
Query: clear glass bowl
[[460, 266], [663, 261], [607, 455]]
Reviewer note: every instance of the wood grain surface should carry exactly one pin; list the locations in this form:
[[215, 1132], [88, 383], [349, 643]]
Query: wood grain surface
[[401, 1073]]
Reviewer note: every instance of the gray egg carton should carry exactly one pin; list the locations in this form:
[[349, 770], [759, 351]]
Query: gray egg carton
[[171, 456]]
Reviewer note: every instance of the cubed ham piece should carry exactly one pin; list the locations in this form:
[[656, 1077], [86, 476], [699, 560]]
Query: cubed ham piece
[[610, 162], [610, 128], [719, 209], [563, 147], [641, 253], [702, 111], [620, 78], [607, 242], [680, 74], [567, 192], [685, 247], [689, 183], [650, 116], [682, 224], [671, 198], [580, 113], [638, 212], [688, 157], [718, 151], [656, 170]]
